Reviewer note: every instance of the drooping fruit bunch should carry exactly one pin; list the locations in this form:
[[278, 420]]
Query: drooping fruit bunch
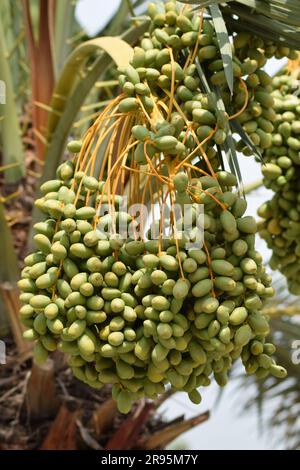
[[281, 225], [166, 65], [259, 115], [132, 306], [137, 316]]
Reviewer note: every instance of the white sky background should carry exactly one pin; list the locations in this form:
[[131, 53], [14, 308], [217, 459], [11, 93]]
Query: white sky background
[[225, 429], [93, 14]]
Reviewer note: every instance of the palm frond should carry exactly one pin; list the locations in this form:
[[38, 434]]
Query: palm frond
[[65, 27], [274, 20], [11, 142], [224, 43]]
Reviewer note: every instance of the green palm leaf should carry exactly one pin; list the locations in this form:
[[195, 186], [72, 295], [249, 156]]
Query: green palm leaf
[[224, 43], [275, 20]]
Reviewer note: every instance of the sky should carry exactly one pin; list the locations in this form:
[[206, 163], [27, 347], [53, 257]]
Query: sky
[[229, 427], [93, 14]]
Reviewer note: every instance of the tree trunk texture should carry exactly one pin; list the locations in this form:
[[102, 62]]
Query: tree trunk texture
[[41, 395]]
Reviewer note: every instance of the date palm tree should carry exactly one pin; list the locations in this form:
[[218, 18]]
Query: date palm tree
[[56, 81]]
